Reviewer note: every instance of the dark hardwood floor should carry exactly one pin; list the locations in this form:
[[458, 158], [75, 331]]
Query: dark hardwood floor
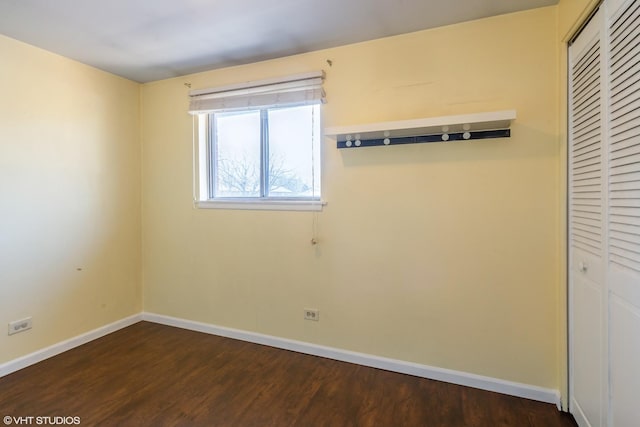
[[155, 375]]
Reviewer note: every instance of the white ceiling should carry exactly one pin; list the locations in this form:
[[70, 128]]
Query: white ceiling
[[147, 40]]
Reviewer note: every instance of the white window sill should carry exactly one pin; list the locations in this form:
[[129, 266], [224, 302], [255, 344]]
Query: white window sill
[[262, 205]]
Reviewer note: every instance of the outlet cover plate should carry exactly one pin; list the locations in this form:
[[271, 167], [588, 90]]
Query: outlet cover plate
[[19, 325], [312, 314]]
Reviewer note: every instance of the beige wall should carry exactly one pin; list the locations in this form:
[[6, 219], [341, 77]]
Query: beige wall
[[69, 197], [440, 254]]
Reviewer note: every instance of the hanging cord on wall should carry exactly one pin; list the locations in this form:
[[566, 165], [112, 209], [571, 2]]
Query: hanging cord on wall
[[314, 228]]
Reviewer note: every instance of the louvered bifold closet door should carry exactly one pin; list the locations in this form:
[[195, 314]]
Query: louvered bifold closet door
[[623, 246], [586, 227], [586, 152]]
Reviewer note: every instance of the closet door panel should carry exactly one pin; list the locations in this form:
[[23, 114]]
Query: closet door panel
[[587, 349], [623, 205], [587, 239], [625, 356]]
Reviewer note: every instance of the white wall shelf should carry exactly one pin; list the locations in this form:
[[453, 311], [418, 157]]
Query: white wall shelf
[[434, 129]]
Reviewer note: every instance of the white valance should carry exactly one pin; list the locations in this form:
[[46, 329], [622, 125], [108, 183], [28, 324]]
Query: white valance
[[302, 89]]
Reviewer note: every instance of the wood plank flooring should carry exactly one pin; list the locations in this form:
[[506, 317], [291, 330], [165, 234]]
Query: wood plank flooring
[[155, 375]]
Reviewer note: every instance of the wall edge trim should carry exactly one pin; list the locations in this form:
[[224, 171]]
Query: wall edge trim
[[589, 9], [497, 385], [55, 349]]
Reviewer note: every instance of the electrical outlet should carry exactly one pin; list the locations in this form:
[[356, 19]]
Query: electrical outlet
[[19, 325], [311, 314]]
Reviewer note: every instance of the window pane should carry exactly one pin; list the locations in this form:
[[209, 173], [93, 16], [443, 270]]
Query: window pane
[[294, 152], [236, 154]]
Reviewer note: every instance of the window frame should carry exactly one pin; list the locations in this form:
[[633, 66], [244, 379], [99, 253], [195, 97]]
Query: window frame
[[205, 171]]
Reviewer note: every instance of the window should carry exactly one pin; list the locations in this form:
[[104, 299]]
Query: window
[[258, 145], [265, 153]]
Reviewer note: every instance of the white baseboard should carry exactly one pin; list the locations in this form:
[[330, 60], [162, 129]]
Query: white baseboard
[[447, 375], [45, 353]]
